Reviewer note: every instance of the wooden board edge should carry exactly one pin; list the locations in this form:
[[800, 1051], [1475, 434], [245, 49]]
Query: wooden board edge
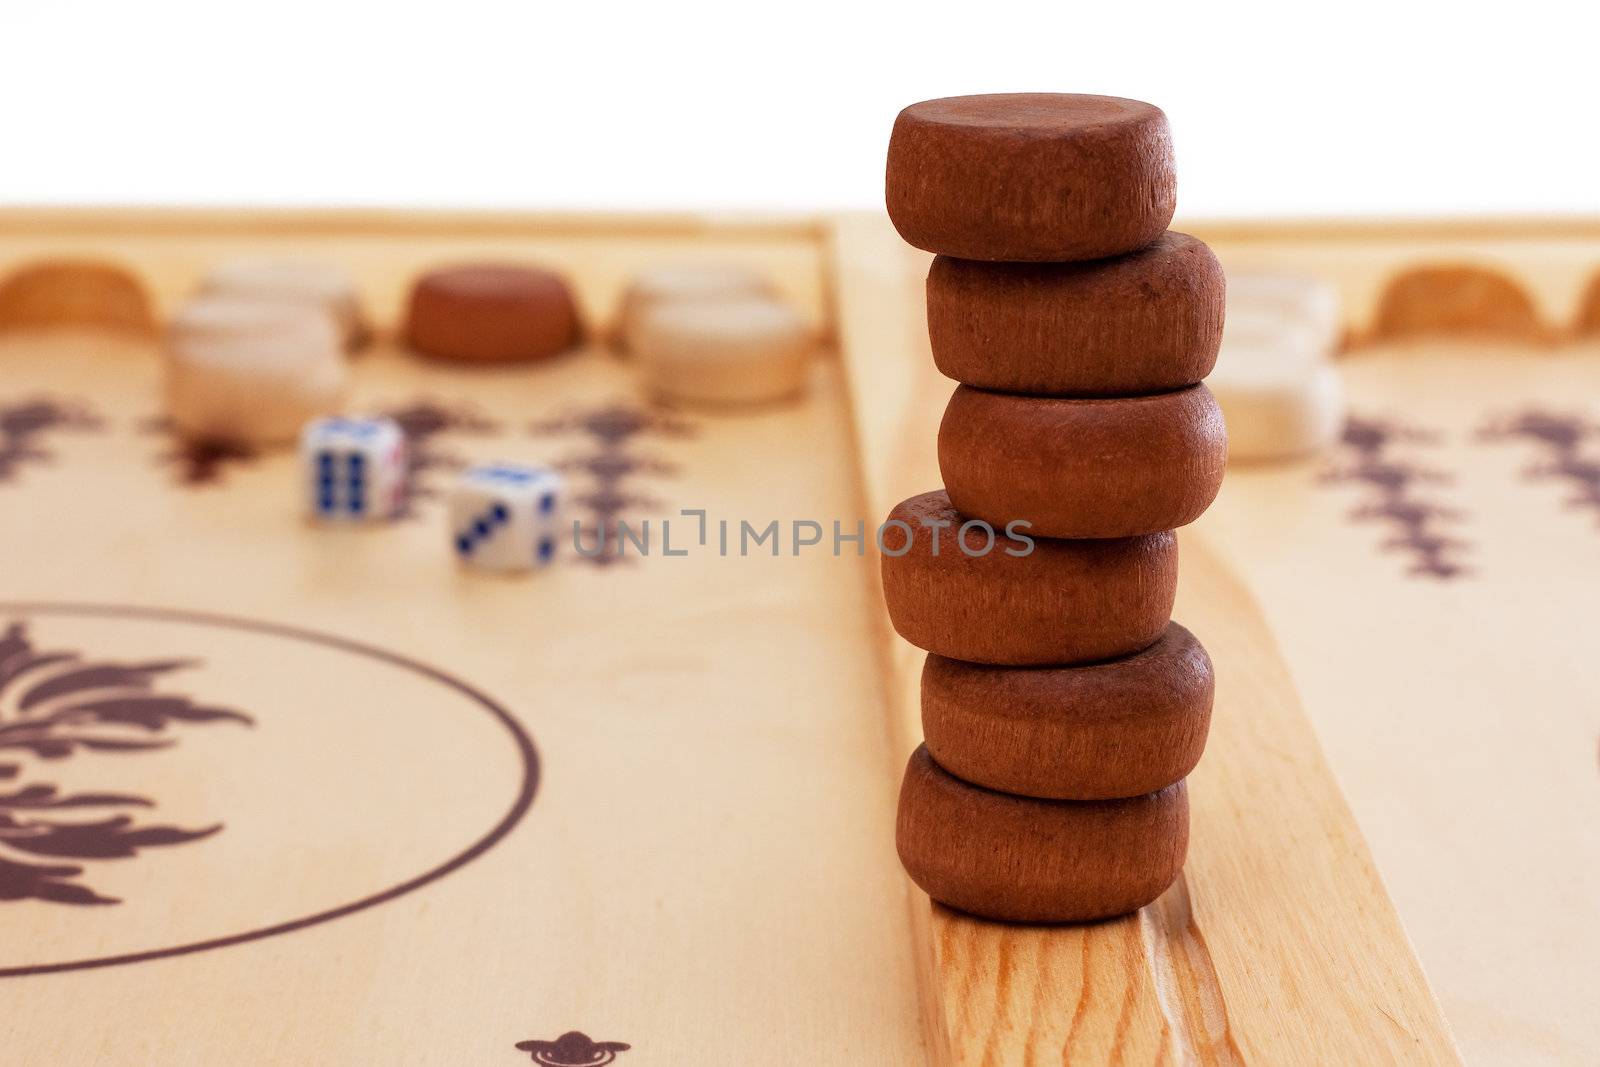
[[146, 219], [246, 221], [1399, 228]]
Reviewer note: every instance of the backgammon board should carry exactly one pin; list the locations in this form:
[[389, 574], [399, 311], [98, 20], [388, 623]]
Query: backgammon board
[[339, 801]]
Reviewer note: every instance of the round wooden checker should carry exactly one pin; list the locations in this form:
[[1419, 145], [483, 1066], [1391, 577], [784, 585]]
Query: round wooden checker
[[1119, 728], [951, 592], [1083, 468], [1146, 322], [251, 371], [1021, 859], [491, 314], [683, 283], [723, 353], [75, 293], [1030, 177], [1312, 302], [320, 285], [1280, 401]]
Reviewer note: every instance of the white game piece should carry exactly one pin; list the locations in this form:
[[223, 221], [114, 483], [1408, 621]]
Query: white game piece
[[1292, 336], [506, 516], [724, 352], [250, 371], [317, 284], [1280, 393], [355, 469], [1277, 403], [1300, 297], [684, 282]]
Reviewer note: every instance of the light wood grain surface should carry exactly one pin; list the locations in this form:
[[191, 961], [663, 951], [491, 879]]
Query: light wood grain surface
[[1460, 711]]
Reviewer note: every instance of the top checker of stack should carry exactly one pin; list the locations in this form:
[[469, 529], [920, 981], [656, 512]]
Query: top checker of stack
[[1062, 708]]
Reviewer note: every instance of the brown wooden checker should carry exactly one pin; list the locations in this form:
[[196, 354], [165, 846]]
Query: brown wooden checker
[[592, 912], [1146, 322], [1030, 177], [1020, 859], [1119, 467], [1120, 728], [491, 313], [50, 292], [970, 592]]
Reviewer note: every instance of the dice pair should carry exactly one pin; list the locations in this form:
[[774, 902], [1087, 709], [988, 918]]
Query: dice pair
[[501, 516]]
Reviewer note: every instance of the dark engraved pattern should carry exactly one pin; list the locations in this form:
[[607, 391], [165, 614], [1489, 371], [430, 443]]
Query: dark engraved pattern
[[205, 462], [516, 736], [572, 1049], [197, 461], [24, 425], [423, 421], [610, 464], [1376, 453], [1560, 437], [55, 705]]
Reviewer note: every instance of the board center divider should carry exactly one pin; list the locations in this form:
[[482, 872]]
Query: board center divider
[[1279, 944]]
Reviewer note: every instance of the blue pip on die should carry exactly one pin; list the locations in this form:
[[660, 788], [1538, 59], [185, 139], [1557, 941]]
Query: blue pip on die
[[507, 516], [355, 469]]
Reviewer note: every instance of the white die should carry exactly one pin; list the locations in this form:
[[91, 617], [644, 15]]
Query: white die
[[354, 469], [505, 516]]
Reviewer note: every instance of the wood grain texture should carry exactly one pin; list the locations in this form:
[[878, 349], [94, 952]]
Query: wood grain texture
[[1279, 944]]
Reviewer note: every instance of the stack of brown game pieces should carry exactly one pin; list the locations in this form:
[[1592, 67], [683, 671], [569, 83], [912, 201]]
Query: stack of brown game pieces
[[1062, 708]]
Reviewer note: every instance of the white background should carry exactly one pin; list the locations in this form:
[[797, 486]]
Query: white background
[[1278, 108]]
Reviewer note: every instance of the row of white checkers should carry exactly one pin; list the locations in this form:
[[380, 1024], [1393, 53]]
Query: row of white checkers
[[1275, 376], [501, 516], [263, 346]]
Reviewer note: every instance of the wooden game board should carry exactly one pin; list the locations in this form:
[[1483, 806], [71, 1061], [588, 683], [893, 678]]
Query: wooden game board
[[651, 800]]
